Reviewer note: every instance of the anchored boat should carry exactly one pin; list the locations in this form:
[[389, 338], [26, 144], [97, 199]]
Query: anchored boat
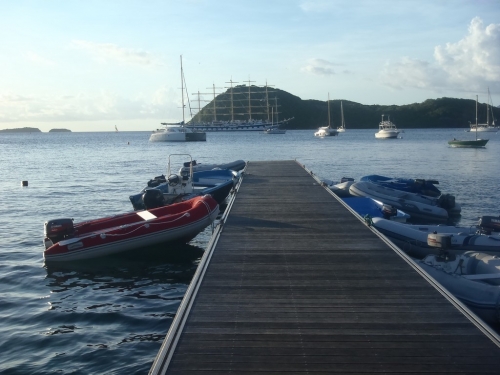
[[68, 241]]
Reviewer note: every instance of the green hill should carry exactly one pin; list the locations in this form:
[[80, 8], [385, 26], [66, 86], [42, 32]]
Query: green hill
[[310, 114]]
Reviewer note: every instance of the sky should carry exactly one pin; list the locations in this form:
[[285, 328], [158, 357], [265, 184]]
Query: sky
[[90, 65]]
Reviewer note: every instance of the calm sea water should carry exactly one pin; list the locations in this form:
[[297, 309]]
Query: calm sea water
[[111, 316]]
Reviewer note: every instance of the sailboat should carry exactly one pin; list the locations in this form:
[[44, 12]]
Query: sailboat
[[274, 129], [116, 129], [477, 143], [177, 132], [326, 131], [487, 127], [341, 128]]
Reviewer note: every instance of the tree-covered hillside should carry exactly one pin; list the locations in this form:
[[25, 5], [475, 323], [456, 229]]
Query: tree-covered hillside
[[310, 114]]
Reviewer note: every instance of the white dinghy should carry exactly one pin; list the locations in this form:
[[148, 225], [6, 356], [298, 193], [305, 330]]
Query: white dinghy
[[472, 277], [416, 205], [421, 240]]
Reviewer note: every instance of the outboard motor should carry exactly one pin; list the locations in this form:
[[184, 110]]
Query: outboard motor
[[345, 179], [446, 201], [488, 224], [58, 230], [442, 241], [389, 211], [157, 181], [153, 198], [174, 180], [187, 164]]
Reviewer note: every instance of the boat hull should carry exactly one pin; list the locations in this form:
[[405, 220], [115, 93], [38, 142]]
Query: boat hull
[[179, 134], [326, 132], [416, 206], [386, 134], [412, 239], [482, 298], [235, 126], [137, 233], [468, 144]]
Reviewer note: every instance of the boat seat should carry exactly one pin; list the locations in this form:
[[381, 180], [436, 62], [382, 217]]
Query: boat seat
[[146, 215]]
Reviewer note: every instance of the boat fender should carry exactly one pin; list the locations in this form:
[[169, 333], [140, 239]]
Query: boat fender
[[442, 241], [59, 229], [153, 198], [489, 224]]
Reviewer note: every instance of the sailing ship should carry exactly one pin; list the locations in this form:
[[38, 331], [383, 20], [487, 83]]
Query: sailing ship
[[178, 132], [326, 131], [487, 127], [341, 128], [477, 143], [243, 105]]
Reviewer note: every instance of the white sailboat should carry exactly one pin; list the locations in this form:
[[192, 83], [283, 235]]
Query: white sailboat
[[327, 131], [177, 132], [341, 128], [487, 127], [274, 129]]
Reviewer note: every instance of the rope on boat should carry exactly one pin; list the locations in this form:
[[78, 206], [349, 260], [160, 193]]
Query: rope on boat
[[368, 220], [146, 225]]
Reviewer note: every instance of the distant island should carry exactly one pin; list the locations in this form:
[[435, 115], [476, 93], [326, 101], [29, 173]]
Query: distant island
[[32, 130], [21, 130]]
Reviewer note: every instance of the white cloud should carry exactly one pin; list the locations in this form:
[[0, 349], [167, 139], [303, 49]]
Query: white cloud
[[319, 67], [37, 59], [102, 106], [104, 52], [470, 64]]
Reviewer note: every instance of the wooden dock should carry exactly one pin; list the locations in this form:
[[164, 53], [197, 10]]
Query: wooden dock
[[294, 283]]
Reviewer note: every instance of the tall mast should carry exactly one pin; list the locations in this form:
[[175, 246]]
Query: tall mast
[[476, 117], [215, 107], [182, 91], [342, 125], [249, 100], [488, 109], [328, 109], [267, 104], [276, 104], [231, 96]]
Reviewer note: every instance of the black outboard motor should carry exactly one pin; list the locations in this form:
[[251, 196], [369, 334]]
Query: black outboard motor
[[174, 180], [59, 229], [345, 179], [446, 201], [157, 181], [187, 164], [488, 224], [153, 198], [388, 211]]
